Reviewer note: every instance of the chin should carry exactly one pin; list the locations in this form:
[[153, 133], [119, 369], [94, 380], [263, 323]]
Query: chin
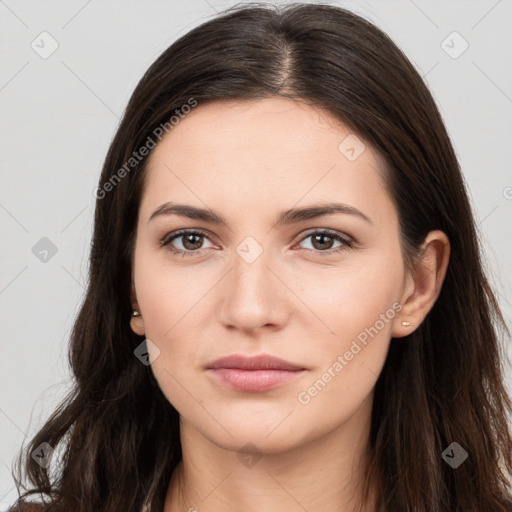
[[254, 441], [274, 434]]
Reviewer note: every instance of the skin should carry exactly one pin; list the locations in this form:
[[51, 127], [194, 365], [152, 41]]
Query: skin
[[248, 161]]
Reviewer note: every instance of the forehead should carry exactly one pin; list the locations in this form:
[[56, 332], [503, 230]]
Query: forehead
[[262, 152]]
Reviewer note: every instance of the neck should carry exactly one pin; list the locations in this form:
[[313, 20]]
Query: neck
[[324, 474]]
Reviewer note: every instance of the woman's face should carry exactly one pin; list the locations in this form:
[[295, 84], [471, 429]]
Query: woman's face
[[257, 286]]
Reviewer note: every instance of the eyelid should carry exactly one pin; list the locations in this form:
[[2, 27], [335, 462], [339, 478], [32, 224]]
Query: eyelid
[[327, 232]]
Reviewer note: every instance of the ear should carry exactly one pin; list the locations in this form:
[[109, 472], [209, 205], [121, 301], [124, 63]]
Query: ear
[[136, 322], [423, 283]]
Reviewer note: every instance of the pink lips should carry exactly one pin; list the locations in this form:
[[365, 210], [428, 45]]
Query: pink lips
[[253, 374]]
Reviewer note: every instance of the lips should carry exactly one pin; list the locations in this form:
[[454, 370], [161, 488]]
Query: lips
[[261, 362], [253, 374]]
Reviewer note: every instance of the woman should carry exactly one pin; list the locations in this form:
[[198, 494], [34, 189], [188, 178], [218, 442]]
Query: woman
[[225, 357]]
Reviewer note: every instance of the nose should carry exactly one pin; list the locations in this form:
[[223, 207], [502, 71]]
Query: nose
[[254, 295]]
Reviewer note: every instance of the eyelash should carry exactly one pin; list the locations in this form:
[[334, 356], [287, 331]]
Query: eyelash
[[347, 243]]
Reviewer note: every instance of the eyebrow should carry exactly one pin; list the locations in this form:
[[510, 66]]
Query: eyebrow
[[291, 216]]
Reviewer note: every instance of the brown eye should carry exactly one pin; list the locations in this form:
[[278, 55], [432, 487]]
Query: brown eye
[[322, 241], [191, 242]]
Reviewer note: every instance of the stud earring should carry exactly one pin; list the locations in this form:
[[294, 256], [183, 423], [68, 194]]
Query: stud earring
[[405, 323]]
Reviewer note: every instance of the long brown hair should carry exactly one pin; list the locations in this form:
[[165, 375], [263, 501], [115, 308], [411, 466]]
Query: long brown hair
[[444, 383]]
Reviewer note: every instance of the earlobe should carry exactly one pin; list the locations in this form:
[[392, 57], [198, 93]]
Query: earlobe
[[424, 284], [137, 323]]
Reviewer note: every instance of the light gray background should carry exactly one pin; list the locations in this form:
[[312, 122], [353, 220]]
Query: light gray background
[[58, 115]]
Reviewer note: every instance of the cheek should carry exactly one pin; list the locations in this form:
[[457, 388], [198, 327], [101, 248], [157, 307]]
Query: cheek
[[169, 293], [347, 299], [359, 308], [173, 299], [354, 309]]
